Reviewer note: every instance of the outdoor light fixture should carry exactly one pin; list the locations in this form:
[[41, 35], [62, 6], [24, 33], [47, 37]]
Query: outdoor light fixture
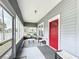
[[35, 11]]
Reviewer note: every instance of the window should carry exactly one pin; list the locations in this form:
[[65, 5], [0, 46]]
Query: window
[[30, 32], [41, 30], [19, 30], [5, 25]]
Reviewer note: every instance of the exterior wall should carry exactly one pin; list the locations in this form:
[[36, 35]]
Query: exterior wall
[[77, 32], [68, 17]]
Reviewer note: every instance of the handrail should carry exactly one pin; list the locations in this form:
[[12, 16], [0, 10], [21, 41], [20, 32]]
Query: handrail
[[4, 42]]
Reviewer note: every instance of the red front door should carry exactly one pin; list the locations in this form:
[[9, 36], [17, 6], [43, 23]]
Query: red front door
[[53, 34]]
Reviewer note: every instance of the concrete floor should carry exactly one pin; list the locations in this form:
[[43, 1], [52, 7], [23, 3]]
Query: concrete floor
[[31, 50], [35, 50], [32, 53]]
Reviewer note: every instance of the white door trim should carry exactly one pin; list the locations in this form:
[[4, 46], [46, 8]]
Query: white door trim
[[59, 34]]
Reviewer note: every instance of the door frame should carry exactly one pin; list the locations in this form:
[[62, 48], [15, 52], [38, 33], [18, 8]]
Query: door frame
[[59, 34]]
